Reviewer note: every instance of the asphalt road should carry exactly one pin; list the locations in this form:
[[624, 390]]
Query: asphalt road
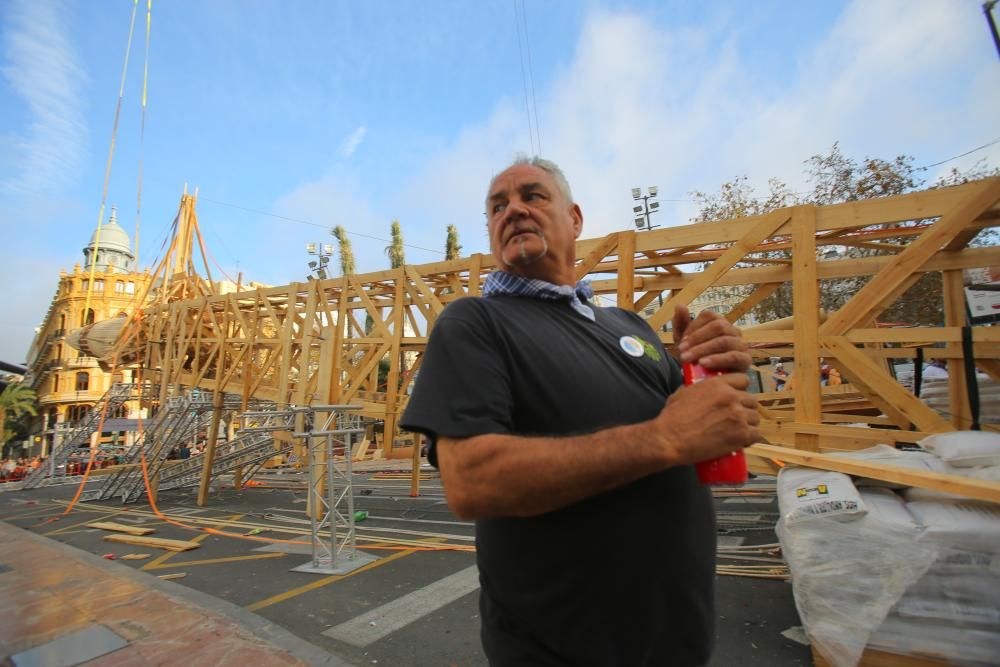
[[414, 604]]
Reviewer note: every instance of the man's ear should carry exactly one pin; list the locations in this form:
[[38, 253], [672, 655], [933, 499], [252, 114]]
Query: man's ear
[[577, 216]]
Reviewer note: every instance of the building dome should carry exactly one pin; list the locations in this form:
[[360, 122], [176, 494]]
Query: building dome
[[114, 248]]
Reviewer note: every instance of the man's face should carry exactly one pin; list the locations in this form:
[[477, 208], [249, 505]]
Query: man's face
[[532, 226]]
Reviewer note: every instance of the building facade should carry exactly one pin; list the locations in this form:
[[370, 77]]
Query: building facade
[[69, 383]]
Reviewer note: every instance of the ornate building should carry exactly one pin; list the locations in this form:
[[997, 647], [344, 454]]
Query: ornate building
[[68, 382]]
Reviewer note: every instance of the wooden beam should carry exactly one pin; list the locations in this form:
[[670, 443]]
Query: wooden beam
[[954, 316], [961, 486], [889, 283], [764, 228], [596, 254], [805, 300], [873, 381], [626, 270]]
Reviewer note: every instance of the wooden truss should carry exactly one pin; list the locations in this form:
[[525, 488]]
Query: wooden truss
[[324, 341]]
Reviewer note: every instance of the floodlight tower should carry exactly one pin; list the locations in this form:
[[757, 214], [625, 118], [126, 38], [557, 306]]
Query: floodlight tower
[[323, 252], [646, 209]]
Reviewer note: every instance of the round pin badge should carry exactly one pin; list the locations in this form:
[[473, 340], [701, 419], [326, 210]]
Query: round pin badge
[[631, 346]]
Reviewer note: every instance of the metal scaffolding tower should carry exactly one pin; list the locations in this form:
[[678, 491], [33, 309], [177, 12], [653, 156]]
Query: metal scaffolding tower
[[327, 431]]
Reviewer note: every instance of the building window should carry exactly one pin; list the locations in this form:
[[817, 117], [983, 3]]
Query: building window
[[82, 381], [55, 383], [119, 287], [85, 285], [130, 288], [98, 285], [87, 317], [77, 413]]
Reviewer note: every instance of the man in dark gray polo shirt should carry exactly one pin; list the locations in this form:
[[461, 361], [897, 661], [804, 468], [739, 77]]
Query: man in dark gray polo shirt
[[562, 429]]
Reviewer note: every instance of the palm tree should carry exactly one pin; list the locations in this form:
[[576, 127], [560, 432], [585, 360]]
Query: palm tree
[[452, 250], [395, 251], [346, 254], [15, 400]]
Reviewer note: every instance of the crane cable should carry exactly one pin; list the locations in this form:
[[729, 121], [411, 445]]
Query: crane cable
[[142, 131], [107, 170]]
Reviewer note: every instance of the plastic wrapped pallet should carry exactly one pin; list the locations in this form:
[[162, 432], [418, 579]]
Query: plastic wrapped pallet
[[930, 638], [848, 569]]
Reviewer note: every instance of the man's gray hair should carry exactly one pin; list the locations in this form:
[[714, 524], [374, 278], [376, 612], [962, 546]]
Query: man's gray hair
[[547, 166]]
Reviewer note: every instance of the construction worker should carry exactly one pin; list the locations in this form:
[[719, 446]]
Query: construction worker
[[556, 423]]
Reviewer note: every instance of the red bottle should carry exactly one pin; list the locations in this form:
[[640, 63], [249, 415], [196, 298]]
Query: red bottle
[[729, 469]]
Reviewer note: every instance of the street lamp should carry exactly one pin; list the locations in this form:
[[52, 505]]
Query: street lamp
[[323, 252], [642, 212]]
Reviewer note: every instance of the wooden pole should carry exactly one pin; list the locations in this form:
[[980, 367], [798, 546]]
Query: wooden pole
[[954, 316], [208, 456], [805, 299]]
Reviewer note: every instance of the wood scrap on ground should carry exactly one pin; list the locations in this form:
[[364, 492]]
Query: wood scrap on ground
[[175, 575], [154, 542], [135, 557], [120, 528]]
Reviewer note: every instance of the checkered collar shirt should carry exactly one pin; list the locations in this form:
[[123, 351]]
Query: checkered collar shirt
[[501, 282]]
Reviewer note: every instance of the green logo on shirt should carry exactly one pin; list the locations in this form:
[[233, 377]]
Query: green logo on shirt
[[651, 351]]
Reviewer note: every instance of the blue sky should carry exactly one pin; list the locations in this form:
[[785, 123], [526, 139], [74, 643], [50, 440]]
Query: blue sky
[[358, 113]]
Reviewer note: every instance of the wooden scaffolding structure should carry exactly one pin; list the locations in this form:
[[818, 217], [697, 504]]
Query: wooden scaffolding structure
[[324, 341]]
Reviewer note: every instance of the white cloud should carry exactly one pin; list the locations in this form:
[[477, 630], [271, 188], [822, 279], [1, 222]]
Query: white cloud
[[40, 67], [352, 142], [641, 104]]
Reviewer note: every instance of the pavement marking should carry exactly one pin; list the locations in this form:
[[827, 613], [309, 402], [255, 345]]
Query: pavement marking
[[369, 627], [65, 529], [319, 583], [30, 514], [213, 561], [167, 556], [159, 560]]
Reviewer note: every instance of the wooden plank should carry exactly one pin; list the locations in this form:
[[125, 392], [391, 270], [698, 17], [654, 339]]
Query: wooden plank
[[154, 542], [120, 528], [961, 486], [874, 658]]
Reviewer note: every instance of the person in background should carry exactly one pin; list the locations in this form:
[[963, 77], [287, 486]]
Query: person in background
[[780, 376]]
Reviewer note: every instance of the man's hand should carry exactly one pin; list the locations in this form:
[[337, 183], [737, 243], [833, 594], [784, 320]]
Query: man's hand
[[710, 340], [706, 420]]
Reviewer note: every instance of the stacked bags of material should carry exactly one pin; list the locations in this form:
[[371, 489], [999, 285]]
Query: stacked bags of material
[[934, 392], [906, 571]]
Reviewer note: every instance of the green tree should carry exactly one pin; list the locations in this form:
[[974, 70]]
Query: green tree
[[346, 253], [835, 178], [16, 400], [397, 257], [452, 250]]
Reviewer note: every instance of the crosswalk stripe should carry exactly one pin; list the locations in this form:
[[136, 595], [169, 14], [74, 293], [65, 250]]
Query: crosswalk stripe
[[369, 627]]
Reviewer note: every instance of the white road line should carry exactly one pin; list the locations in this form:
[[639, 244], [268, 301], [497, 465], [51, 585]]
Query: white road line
[[363, 630]]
